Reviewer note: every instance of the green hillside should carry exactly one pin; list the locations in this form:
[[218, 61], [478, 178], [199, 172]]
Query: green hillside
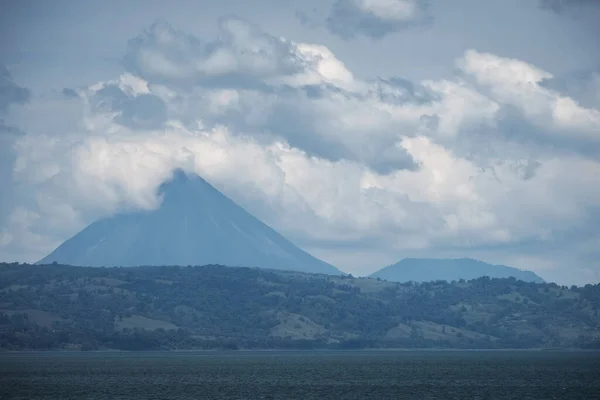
[[212, 307]]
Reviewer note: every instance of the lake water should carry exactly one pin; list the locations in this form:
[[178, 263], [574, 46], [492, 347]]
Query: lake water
[[301, 375]]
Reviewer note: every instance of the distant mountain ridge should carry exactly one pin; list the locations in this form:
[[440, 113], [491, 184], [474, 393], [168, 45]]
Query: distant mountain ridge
[[429, 269], [194, 225]]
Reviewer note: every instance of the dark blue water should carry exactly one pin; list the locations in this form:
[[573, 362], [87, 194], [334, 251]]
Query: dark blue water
[[310, 375]]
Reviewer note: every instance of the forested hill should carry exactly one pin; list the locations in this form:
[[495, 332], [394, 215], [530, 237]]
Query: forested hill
[[64, 307]]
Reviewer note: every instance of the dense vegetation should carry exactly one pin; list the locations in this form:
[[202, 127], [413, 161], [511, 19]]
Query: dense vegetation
[[64, 307]]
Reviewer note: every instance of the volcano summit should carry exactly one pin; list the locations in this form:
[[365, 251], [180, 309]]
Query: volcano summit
[[194, 225]]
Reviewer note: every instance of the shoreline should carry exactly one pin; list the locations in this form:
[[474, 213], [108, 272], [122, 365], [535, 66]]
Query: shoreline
[[307, 351]]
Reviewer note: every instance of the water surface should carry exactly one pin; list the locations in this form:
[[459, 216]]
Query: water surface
[[301, 375]]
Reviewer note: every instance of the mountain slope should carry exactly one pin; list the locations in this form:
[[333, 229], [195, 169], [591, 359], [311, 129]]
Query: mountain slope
[[424, 270], [194, 225], [162, 308]]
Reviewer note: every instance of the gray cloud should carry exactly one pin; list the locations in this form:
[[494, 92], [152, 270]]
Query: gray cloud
[[302, 117], [513, 130], [396, 90], [241, 56], [582, 86], [8, 130], [142, 111], [308, 19], [8, 135], [375, 19], [10, 92], [560, 6], [70, 93], [300, 114], [7, 159]]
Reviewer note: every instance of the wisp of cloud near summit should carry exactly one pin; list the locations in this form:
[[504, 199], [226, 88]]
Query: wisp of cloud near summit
[[497, 159]]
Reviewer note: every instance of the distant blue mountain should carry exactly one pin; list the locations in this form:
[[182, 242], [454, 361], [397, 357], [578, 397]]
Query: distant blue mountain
[[194, 225], [427, 269]]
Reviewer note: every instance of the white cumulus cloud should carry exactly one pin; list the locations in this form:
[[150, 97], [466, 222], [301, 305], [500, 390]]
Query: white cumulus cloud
[[358, 171]]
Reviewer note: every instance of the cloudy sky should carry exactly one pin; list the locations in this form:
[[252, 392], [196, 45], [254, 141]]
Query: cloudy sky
[[365, 131]]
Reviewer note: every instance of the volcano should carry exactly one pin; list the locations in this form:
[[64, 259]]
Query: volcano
[[430, 269], [195, 224]]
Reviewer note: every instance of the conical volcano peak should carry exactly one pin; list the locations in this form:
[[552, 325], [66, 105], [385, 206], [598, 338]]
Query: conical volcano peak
[[180, 175], [194, 225], [183, 187], [179, 179]]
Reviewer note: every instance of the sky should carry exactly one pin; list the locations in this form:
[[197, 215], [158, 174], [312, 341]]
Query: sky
[[365, 131]]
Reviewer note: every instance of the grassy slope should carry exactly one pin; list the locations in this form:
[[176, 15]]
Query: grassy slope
[[212, 306]]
